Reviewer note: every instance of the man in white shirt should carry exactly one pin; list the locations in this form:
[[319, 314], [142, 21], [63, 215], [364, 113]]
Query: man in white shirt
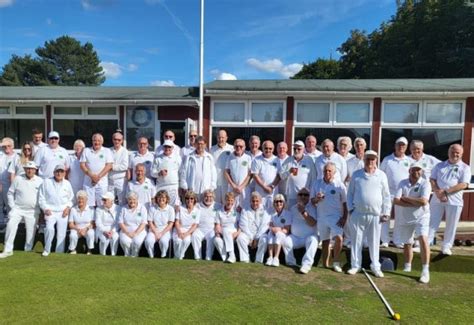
[[311, 150], [8, 158], [344, 147], [37, 140], [143, 187], [55, 199], [198, 172], [328, 155], [50, 156], [141, 156], [23, 201], [169, 135], [395, 166], [448, 180], [220, 152], [282, 154], [190, 147], [265, 170], [427, 161], [237, 173], [369, 203], [254, 147], [357, 161], [96, 163], [166, 171], [412, 209], [118, 175]]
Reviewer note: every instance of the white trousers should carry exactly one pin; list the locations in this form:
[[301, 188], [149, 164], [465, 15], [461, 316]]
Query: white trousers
[[180, 246], [131, 246], [292, 242], [74, 238], [220, 192], [4, 208], [94, 193], [15, 217], [385, 233], [196, 239], [225, 244], [276, 239], [55, 219], [243, 242], [104, 242], [118, 187], [164, 243], [365, 226], [451, 213]]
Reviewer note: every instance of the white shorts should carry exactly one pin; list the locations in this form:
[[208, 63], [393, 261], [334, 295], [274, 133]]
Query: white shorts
[[418, 228], [328, 228]]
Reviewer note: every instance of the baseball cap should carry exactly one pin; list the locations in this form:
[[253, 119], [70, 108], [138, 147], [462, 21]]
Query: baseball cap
[[30, 164], [53, 134], [416, 164], [402, 140], [298, 143], [108, 196], [59, 167], [370, 153], [168, 143]]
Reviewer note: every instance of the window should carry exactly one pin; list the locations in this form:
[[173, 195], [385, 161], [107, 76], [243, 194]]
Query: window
[[72, 129], [267, 112], [112, 111], [28, 110], [424, 113], [67, 110], [140, 121], [4, 110], [401, 113], [333, 133], [313, 112], [229, 112], [274, 134], [19, 129], [352, 113], [443, 113], [264, 113]]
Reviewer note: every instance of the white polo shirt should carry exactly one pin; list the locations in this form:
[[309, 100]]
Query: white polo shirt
[[227, 219], [46, 159], [120, 163], [208, 216], [220, 156], [82, 219], [188, 219], [447, 175], [133, 217], [281, 220], [335, 194], [420, 189], [137, 158], [266, 169], [315, 154], [239, 167], [299, 226], [306, 174], [161, 217], [341, 166], [145, 191], [428, 162], [76, 175], [354, 164], [7, 165], [396, 170], [95, 161]]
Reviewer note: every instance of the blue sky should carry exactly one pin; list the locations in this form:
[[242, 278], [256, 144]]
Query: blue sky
[[156, 42]]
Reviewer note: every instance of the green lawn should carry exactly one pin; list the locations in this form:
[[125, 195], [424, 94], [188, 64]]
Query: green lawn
[[96, 289]]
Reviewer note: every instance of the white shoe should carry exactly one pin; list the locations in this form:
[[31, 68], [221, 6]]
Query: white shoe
[[378, 273], [416, 249], [337, 267], [305, 269], [89, 253], [447, 251], [6, 254], [384, 245], [276, 262], [73, 252], [245, 261], [208, 258], [269, 261], [231, 258], [407, 268], [400, 246], [425, 277], [45, 254], [353, 271]]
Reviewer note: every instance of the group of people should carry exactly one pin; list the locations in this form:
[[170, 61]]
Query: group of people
[[225, 195]]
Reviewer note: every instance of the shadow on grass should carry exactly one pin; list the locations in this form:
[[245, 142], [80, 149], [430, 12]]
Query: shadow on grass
[[439, 257], [405, 275]]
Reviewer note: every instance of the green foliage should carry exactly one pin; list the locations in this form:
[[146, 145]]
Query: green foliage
[[320, 69], [62, 62]]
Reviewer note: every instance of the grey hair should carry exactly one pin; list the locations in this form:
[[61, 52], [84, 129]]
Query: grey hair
[[131, 195], [360, 139], [347, 139], [81, 193]]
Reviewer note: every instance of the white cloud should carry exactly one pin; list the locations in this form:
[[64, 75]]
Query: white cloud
[[49, 21], [5, 3], [218, 75], [152, 50], [111, 69], [163, 83], [132, 67], [87, 5], [275, 66]]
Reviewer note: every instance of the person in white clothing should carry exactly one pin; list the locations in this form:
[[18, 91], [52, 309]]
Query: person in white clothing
[[395, 166], [254, 147], [96, 163], [142, 186], [118, 174], [107, 228], [344, 147], [169, 135], [428, 162], [166, 171], [282, 155], [25, 156], [357, 161], [81, 223], [227, 228], [220, 152], [37, 140], [205, 229], [187, 221], [369, 204], [411, 201], [56, 199], [23, 200], [8, 159], [298, 171], [328, 155], [448, 180], [279, 228], [198, 172], [253, 226], [329, 196], [161, 218], [132, 222], [237, 173], [265, 170], [48, 157], [141, 156], [310, 147], [302, 232], [190, 147], [75, 175]]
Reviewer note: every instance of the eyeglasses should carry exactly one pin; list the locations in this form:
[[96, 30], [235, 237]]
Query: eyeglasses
[[268, 149], [193, 135], [236, 146], [54, 138], [27, 149], [298, 148], [303, 194], [278, 201], [143, 144], [59, 171]]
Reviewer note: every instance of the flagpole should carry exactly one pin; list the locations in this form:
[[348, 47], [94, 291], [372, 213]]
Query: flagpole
[[201, 72]]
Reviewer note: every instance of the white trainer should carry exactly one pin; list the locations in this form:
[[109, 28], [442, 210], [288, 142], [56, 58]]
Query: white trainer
[[276, 262], [45, 254], [337, 267], [384, 245], [269, 261], [231, 258], [305, 269], [407, 268], [425, 277], [73, 252], [378, 273], [447, 251], [353, 271], [6, 254]]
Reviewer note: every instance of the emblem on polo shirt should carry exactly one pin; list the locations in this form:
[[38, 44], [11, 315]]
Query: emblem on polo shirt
[[147, 162], [283, 220], [303, 166], [139, 214], [194, 216], [333, 192], [227, 153], [101, 156], [61, 156], [406, 164], [424, 165], [146, 187], [274, 164], [244, 163]]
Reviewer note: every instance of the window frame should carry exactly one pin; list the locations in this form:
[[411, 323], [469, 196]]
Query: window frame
[[313, 124], [444, 125], [403, 101], [356, 124], [14, 115], [247, 122], [84, 113]]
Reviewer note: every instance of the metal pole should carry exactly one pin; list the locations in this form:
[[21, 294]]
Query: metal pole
[[201, 72]]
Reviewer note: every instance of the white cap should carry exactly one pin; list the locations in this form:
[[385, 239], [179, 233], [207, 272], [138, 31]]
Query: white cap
[[298, 143], [416, 164], [402, 140], [53, 134], [168, 143], [30, 164], [370, 153], [108, 196], [59, 167]]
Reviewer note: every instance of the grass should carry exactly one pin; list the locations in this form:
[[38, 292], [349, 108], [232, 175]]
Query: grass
[[96, 289]]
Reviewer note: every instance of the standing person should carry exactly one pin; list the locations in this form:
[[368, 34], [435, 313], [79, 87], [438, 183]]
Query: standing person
[[329, 197], [23, 200], [328, 155], [220, 152], [118, 174], [96, 163], [190, 147], [37, 140], [265, 170], [227, 229], [282, 154], [412, 203], [198, 172], [344, 147], [161, 218], [48, 157], [448, 179], [237, 173], [107, 228], [428, 162], [81, 223], [55, 199], [132, 222], [75, 174], [310, 147], [205, 229], [187, 221], [26, 155], [141, 156], [254, 227], [303, 232], [298, 171], [395, 166], [169, 135], [254, 147], [8, 159], [357, 161], [279, 228], [369, 203], [166, 171], [142, 186]]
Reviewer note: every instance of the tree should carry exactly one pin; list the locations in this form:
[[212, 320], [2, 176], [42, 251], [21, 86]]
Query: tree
[[320, 69], [62, 62]]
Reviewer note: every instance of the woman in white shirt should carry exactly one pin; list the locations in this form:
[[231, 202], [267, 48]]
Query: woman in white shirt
[[186, 223], [81, 219], [279, 229], [161, 218], [227, 228], [106, 220], [132, 221]]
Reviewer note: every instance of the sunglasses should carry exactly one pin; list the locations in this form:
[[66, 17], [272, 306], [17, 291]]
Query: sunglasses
[[193, 135], [54, 138], [303, 194], [27, 149], [188, 198], [278, 201]]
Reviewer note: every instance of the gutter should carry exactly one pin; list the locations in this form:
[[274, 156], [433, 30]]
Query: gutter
[[96, 101]]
